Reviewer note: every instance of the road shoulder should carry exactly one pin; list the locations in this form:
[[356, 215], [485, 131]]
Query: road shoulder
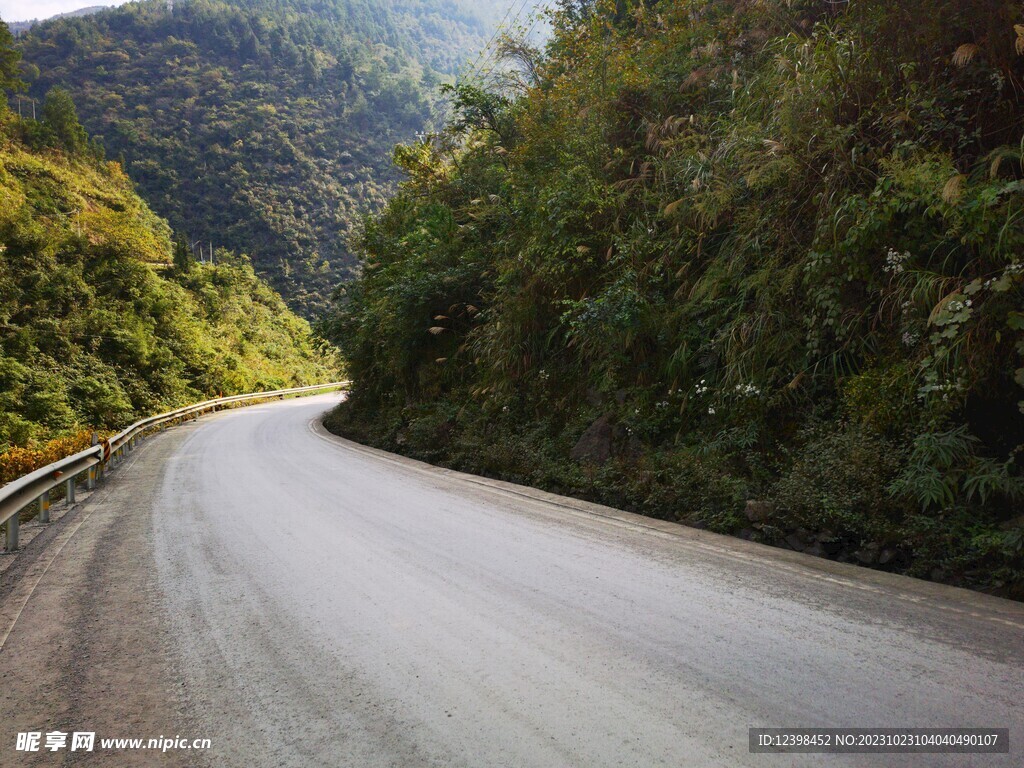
[[951, 600], [90, 648]]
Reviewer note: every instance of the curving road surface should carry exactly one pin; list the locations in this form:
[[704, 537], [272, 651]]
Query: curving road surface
[[303, 601]]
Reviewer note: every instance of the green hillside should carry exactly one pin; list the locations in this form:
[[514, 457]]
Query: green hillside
[[752, 266], [264, 126], [99, 323]]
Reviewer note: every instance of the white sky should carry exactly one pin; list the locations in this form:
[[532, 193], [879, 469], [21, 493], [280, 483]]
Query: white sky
[[24, 10]]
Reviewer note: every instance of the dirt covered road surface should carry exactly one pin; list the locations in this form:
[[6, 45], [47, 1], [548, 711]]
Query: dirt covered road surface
[[300, 600]]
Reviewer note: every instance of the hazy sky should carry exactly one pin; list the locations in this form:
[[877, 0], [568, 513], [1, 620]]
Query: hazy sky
[[23, 10]]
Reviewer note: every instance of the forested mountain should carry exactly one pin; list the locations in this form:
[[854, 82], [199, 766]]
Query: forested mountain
[[756, 266], [100, 320], [262, 125]]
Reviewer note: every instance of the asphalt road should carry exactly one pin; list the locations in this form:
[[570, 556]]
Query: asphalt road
[[303, 601]]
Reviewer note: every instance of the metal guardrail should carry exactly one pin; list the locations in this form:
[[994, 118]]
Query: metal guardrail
[[92, 462]]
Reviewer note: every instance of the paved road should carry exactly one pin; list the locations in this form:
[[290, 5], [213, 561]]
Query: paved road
[[302, 601]]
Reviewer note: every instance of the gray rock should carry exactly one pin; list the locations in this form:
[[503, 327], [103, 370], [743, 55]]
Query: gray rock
[[831, 546], [758, 511], [886, 556], [796, 541], [868, 555], [595, 444]]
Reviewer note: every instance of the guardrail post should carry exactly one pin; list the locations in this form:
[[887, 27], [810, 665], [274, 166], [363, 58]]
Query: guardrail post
[[44, 507], [69, 491], [90, 480], [12, 533]]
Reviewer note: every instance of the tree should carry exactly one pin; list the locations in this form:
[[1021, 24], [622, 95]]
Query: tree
[[61, 117], [477, 109], [183, 258], [10, 75]]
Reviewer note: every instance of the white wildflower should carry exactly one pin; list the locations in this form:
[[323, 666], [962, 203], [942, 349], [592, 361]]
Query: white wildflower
[[895, 261]]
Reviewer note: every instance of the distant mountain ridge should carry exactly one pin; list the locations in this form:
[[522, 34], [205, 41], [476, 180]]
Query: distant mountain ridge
[[18, 27], [265, 126]]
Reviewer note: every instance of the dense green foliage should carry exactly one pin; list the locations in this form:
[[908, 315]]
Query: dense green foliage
[[776, 246], [97, 326], [10, 72], [264, 126]]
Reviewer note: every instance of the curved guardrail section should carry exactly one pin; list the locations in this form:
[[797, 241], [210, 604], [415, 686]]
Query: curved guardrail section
[[91, 462]]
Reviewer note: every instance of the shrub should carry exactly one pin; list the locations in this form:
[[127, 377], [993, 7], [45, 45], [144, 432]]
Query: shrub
[[839, 481]]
